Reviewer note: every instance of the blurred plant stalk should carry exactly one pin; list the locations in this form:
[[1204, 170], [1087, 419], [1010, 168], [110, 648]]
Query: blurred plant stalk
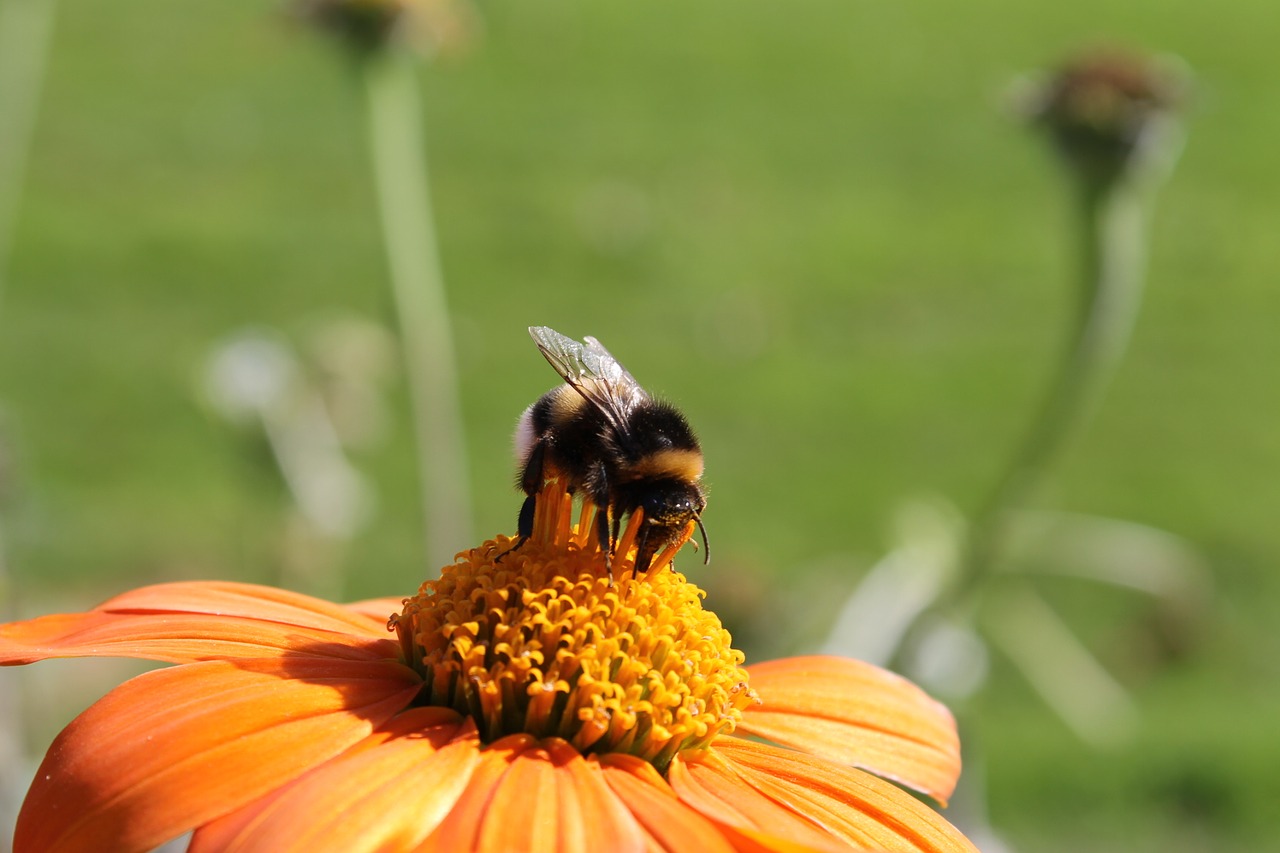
[[399, 164], [256, 380], [26, 31], [385, 36], [1112, 122], [953, 587]]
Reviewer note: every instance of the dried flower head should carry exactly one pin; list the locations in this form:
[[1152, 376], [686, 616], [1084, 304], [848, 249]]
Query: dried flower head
[[433, 27], [1107, 108]]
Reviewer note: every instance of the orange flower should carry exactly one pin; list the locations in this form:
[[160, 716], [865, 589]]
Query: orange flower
[[524, 704]]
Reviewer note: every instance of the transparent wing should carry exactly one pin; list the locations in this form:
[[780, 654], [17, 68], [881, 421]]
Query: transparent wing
[[592, 372]]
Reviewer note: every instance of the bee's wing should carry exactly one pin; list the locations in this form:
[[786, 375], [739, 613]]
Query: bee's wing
[[592, 372]]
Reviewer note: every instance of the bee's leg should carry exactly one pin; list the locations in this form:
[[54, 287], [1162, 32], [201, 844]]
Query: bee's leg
[[524, 525], [531, 483], [644, 554], [531, 477], [602, 534], [597, 489]]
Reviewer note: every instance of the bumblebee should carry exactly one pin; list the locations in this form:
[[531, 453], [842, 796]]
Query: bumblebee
[[612, 442]]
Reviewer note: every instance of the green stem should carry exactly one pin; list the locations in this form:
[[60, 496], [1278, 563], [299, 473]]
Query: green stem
[[399, 165], [1113, 260], [26, 29]]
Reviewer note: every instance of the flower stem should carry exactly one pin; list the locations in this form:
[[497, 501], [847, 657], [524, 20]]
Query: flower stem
[[399, 164], [26, 29], [1113, 230]]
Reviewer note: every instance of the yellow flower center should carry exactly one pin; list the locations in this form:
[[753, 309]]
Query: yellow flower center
[[539, 640]]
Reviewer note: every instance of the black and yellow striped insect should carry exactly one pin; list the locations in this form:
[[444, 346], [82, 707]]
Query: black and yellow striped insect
[[613, 443]]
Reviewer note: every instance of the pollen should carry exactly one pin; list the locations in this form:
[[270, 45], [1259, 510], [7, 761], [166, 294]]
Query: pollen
[[538, 640]]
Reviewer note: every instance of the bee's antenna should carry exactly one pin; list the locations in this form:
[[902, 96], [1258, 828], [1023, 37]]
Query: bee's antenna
[[706, 544]]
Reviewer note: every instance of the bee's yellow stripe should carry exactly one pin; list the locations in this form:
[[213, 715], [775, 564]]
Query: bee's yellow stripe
[[679, 464]]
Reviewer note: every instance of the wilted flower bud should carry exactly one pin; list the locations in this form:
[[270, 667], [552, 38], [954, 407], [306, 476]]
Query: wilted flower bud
[[436, 27], [1107, 109]]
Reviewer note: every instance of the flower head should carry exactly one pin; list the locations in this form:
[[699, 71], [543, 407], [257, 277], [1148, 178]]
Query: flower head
[[1105, 109], [542, 643], [524, 702], [369, 26]]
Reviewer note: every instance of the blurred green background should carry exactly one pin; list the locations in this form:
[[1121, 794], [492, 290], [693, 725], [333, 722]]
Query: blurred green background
[[811, 224]]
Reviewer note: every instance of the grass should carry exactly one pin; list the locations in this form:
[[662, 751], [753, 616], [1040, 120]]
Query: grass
[[810, 225]]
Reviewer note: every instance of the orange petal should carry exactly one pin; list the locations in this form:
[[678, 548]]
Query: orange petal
[[547, 799], [177, 638], [176, 748], [377, 609], [605, 820], [753, 841], [707, 783], [855, 713], [857, 808], [249, 601], [669, 824], [219, 834], [387, 793], [461, 829], [185, 622]]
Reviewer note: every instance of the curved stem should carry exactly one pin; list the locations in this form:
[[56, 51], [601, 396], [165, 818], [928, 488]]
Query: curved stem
[[399, 164], [1113, 259]]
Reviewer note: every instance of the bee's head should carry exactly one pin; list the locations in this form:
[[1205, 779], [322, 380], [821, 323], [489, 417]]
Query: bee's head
[[671, 504], [668, 507]]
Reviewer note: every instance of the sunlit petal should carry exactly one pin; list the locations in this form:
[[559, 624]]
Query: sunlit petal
[[239, 600], [550, 799], [177, 638], [856, 807], [460, 831], [185, 622], [709, 784], [386, 793], [606, 822], [377, 609], [219, 834], [855, 713], [175, 748], [668, 823]]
